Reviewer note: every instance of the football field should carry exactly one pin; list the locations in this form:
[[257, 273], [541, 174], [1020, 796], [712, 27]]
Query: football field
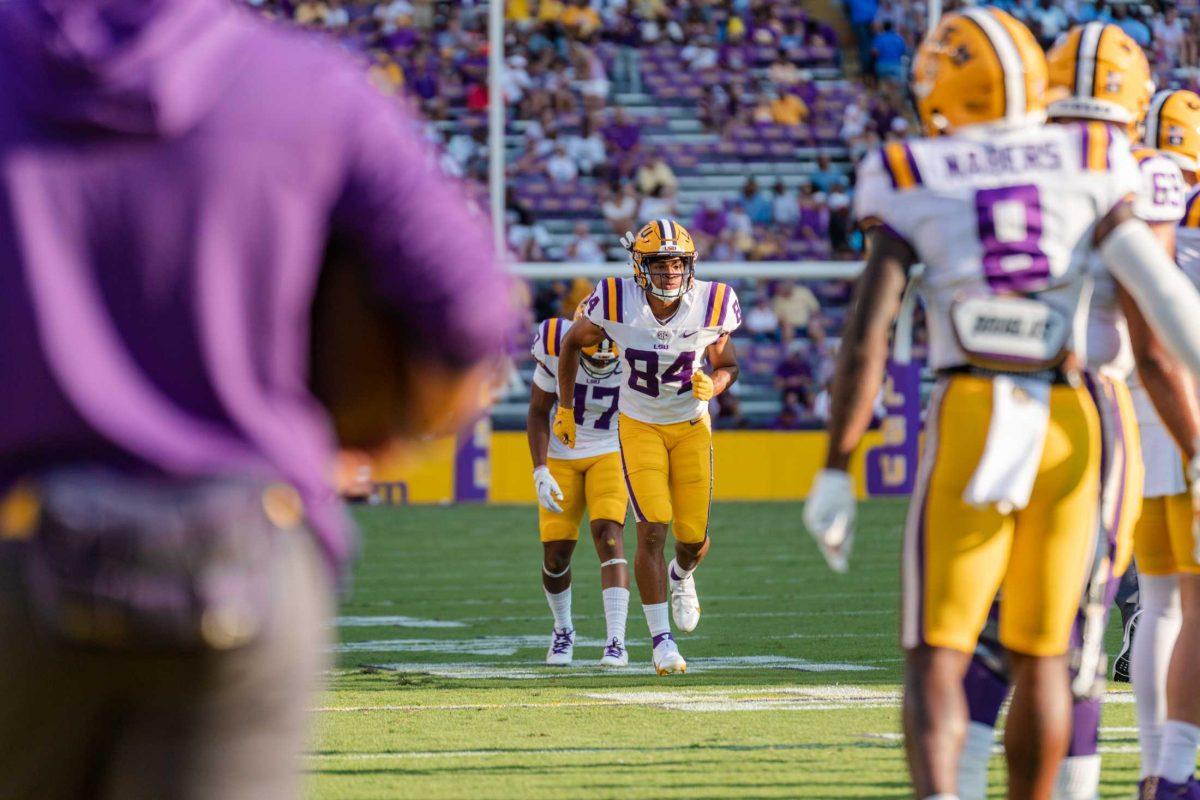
[[791, 691]]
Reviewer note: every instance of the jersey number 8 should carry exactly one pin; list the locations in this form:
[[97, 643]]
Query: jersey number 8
[[1010, 230]]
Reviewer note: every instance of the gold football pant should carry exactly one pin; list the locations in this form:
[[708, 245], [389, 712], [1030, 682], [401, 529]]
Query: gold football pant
[[958, 556], [1163, 539], [595, 484], [669, 470]]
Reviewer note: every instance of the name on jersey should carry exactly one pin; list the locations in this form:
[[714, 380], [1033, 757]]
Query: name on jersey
[[989, 160]]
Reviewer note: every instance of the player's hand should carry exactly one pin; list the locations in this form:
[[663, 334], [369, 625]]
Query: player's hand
[[829, 516], [1193, 477], [547, 489], [627, 241], [564, 426], [702, 386]]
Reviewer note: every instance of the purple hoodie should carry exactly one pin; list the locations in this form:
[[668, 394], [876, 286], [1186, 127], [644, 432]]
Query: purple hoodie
[[170, 174]]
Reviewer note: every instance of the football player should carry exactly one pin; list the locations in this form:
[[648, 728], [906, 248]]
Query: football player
[[666, 324], [1166, 650], [570, 480], [1096, 72], [1005, 213]]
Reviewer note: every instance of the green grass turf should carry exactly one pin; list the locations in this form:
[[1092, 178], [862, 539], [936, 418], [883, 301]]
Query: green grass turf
[[791, 690]]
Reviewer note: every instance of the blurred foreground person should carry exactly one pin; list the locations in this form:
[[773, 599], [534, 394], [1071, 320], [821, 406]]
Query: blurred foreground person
[[173, 175]]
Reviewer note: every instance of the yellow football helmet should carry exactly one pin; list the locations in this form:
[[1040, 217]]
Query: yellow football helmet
[[659, 240], [1173, 126], [980, 65], [598, 360], [1098, 72]]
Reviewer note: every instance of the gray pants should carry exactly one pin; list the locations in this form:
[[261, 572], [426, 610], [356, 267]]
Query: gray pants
[[84, 724]]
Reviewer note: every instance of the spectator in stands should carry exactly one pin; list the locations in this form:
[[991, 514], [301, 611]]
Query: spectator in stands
[[716, 108], [622, 133], [769, 245], [656, 174], [576, 293], [393, 15], [741, 231], [700, 54], [385, 73], [1169, 36], [812, 224], [783, 73], [580, 19], [822, 350], [825, 176], [516, 80], [311, 12], [620, 209], [1049, 20], [794, 305], [709, 220], [856, 119], [761, 322], [587, 147], [527, 237], [757, 204], [560, 167], [1137, 30], [583, 247], [659, 203], [781, 109], [862, 15], [594, 82], [784, 206], [789, 418], [887, 52], [793, 377], [838, 201]]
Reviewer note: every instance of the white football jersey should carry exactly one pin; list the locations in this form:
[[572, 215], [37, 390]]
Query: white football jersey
[[660, 357], [993, 211], [1160, 455], [1160, 198], [595, 398]]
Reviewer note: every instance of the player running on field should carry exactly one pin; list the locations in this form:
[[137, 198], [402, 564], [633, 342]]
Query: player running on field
[[1005, 213], [570, 480], [1097, 72], [1166, 650], [666, 324]]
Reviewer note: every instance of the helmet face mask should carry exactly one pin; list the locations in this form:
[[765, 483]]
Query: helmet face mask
[[600, 361], [664, 259]]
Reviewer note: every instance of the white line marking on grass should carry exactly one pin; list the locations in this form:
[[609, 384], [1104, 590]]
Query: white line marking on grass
[[481, 646], [532, 751], [534, 672], [396, 621]]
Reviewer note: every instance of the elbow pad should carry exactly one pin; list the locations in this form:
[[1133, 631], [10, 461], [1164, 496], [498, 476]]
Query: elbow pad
[[1167, 299]]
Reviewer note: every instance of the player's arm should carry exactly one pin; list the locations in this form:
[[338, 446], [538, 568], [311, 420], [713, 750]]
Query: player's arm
[[829, 510], [862, 357], [537, 423], [583, 333], [722, 357], [1161, 373]]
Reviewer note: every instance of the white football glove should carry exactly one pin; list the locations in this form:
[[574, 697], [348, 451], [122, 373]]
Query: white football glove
[[1193, 477], [829, 516], [627, 241], [547, 489]]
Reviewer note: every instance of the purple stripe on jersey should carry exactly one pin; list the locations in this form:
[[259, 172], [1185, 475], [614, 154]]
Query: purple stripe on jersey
[[604, 299], [912, 164], [986, 693], [546, 337], [619, 287], [1107, 147], [712, 299], [724, 307], [637, 510], [1084, 145], [545, 369], [888, 168], [558, 330]]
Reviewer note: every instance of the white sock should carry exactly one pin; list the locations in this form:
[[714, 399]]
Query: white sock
[[1177, 759], [616, 611], [973, 761], [658, 618], [1157, 630], [677, 572], [560, 606], [1078, 778]]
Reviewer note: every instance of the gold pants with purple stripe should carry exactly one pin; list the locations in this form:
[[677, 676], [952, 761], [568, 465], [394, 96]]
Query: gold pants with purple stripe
[[958, 556], [669, 472]]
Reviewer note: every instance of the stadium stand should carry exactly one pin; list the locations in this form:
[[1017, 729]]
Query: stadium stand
[[742, 118]]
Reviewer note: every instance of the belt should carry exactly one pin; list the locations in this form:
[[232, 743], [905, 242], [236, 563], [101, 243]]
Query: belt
[[1061, 375]]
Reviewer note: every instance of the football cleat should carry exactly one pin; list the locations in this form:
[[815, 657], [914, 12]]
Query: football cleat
[[1121, 673], [562, 647], [979, 66], [615, 654], [685, 605], [667, 659]]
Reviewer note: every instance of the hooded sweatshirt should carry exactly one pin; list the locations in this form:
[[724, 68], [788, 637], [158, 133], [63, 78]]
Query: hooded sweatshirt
[[171, 172]]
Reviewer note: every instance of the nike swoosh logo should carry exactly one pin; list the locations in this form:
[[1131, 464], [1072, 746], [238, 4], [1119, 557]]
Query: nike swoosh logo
[[686, 335]]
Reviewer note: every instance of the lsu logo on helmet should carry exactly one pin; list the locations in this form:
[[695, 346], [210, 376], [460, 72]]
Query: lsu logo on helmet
[[1098, 72], [659, 240], [979, 66], [1173, 126]]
